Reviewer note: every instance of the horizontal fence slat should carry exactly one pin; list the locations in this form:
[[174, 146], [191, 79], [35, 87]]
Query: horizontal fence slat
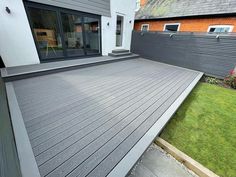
[[202, 52]]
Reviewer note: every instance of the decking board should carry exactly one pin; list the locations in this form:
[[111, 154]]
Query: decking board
[[81, 102], [125, 91], [94, 159], [61, 96], [115, 106], [127, 107], [84, 121], [130, 141], [36, 110], [52, 79]]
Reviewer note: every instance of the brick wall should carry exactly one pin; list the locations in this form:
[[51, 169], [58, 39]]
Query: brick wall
[[142, 2], [193, 25]]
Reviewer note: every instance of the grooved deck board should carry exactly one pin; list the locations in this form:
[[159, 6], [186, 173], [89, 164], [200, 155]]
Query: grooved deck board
[[84, 121]]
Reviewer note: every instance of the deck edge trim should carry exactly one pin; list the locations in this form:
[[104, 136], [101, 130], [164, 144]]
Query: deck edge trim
[[22, 75], [25, 153], [126, 164]]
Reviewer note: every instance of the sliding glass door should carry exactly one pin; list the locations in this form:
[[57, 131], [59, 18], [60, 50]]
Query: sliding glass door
[[46, 32], [73, 34], [92, 35], [62, 33]]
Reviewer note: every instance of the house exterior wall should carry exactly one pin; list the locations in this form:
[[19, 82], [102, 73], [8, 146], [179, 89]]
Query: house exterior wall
[[192, 25], [17, 45], [126, 9]]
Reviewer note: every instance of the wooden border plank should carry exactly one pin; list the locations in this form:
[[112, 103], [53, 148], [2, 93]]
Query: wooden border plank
[[190, 163], [125, 165], [27, 160]]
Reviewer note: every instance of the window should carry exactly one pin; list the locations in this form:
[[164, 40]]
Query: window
[[171, 27], [220, 28], [61, 33], [92, 35], [46, 32], [119, 30], [137, 5], [145, 27], [72, 32]]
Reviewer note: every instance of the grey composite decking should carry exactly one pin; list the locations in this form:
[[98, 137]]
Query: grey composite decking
[[97, 121], [19, 72], [9, 163]]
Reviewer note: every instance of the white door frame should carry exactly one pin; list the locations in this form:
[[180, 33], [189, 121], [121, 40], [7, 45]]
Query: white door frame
[[123, 27]]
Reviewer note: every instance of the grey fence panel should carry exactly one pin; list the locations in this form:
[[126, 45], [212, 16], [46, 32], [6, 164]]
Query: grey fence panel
[[202, 52]]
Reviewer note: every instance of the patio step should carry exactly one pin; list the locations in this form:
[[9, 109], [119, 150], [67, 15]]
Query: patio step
[[120, 51], [119, 54]]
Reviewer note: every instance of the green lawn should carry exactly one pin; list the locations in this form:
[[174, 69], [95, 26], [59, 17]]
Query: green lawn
[[205, 128]]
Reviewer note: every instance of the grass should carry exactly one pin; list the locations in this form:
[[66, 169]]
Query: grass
[[205, 128]]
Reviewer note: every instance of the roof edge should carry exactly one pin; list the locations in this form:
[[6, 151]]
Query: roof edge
[[189, 17]]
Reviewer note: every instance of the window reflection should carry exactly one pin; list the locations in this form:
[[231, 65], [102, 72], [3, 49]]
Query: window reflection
[[92, 35], [73, 36], [62, 33], [44, 23]]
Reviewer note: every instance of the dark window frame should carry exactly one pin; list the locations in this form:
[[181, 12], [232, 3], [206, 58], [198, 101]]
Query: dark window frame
[[145, 25], [58, 11], [173, 25], [2, 65], [212, 28]]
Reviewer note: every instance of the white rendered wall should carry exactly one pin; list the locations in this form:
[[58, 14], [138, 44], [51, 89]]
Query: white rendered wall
[[125, 8], [17, 45]]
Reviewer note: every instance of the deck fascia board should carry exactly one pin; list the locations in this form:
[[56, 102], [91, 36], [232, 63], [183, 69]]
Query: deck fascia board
[[124, 166], [27, 160]]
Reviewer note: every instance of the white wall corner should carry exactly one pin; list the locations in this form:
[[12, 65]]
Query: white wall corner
[[17, 45], [126, 9]]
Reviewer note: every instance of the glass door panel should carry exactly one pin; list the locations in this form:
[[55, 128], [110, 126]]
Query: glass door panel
[[73, 34], [119, 30], [45, 28], [61, 33], [92, 35]]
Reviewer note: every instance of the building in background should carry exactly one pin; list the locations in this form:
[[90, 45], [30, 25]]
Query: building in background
[[35, 31], [186, 16]]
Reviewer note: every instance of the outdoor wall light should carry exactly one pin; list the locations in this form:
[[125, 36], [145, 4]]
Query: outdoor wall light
[[108, 23], [8, 10], [130, 21]]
